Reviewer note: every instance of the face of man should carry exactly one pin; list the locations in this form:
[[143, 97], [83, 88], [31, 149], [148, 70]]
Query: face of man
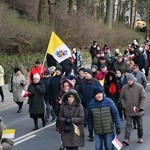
[[104, 69], [99, 96], [119, 60], [87, 75], [130, 82], [58, 72], [81, 73]]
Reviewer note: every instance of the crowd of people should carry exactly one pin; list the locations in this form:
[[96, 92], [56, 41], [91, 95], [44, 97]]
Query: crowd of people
[[98, 97]]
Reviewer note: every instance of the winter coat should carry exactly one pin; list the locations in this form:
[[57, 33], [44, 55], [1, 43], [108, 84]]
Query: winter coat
[[18, 84], [110, 87], [54, 87], [36, 98], [139, 59], [86, 88], [141, 78], [131, 96], [102, 115], [120, 66], [67, 65], [46, 82], [7, 144], [74, 111], [1, 76]]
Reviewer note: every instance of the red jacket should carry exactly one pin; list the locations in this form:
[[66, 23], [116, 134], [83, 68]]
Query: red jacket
[[40, 70]]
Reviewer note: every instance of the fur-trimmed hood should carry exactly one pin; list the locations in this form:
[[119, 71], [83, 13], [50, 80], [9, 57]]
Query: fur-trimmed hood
[[71, 92], [108, 74]]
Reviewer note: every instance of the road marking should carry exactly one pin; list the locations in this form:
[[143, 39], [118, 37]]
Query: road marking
[[148, 83], [33, 132], [16, 143]]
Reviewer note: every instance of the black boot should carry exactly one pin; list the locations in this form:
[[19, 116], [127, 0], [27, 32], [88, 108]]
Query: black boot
[[35, 124], [43, 122], [91, 137]]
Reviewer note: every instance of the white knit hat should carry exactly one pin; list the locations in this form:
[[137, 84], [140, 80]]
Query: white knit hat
[[37, 76]]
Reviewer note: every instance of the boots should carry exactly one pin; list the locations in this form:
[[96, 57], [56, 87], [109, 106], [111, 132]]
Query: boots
[[43, 122], [91, 137], [35, 124]]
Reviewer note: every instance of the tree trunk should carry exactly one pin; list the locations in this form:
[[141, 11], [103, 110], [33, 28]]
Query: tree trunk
[[70, 7], [109, 13], [148, 19], [131, 13], [40, 10]]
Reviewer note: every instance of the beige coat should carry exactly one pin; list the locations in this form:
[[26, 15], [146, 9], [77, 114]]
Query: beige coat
[[17, 87], [7, 144], [1, 76], [133, 96]]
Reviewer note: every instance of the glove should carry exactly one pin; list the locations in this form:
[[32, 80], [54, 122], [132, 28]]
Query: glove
[[118, 131], [68, 121]]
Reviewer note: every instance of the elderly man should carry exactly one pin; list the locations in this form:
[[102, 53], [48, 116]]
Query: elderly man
[[133, 98]]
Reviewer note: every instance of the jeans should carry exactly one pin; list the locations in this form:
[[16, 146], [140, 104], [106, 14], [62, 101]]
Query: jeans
[[71, 148], [106, 139]]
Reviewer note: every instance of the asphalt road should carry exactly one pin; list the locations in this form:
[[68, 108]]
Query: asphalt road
[[48, 138]]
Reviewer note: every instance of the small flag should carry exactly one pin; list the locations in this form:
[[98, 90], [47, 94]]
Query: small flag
[[76, 129], [58, 49], [24, 93], [135, 109], [102, 82], [8, 133], [117, 143]]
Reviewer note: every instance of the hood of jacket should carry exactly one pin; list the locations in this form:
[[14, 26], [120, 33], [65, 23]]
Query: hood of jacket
[[71, 92]]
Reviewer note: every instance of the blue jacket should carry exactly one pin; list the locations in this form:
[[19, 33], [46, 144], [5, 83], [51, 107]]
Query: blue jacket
[[86, 88], [102, 115]]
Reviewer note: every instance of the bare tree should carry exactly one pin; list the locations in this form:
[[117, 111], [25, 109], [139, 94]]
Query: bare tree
[[40, 10], [109, 13]]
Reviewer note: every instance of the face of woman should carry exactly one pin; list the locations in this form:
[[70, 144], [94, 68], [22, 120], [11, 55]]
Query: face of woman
[[71, 99], [110, 78], [66, 86], [36, 80], [118, 73]]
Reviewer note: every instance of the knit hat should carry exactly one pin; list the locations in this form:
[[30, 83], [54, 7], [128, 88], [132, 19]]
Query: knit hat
[[94, 66], [36, 76], [88, 71], [128, 70], [97, 90], [130, 76], [59, 67], [16, 69], [47, 72]]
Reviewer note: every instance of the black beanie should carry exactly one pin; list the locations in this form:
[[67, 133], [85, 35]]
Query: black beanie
[[97, 90], [16, 69], [59, 67], [88, 71]]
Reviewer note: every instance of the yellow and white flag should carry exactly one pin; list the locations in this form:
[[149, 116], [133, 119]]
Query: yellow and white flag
[[8, 134], [58, 49], [76, 129]]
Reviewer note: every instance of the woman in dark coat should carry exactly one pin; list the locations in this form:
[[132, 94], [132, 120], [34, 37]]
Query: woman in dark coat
[[36, 100], [110, 86], [72, 114]]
